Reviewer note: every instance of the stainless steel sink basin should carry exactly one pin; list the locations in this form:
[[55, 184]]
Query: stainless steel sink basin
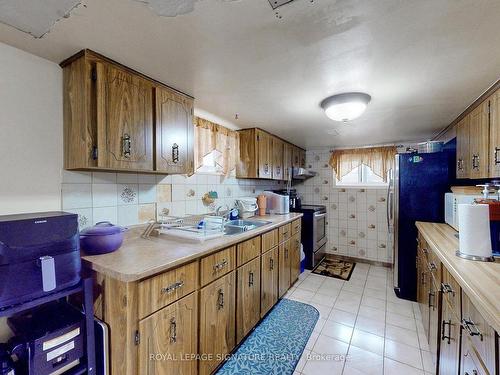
[[234, 227]]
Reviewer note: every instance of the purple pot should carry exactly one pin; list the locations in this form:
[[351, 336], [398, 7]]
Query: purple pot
[[102, 238]]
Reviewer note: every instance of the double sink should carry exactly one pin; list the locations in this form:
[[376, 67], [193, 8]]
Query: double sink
[[234, 227]]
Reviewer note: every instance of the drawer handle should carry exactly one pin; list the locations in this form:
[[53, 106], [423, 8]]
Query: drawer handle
[[432, 266], [250, 278], [221, 265], [446, 288], [271, 264], [173, 287], [220, 300], [471, 328], [443, 336], [496, 156]]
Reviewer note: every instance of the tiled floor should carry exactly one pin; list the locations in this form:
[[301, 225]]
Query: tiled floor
[[363, 327]]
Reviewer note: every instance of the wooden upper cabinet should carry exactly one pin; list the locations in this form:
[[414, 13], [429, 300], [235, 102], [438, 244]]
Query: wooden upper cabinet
[[173, 331], [463, 159], [494, 109], [287, 161], [174, 132], [124, 119], [109, 113], [295, 157], [264, 156], [277, 158], [479, 141]]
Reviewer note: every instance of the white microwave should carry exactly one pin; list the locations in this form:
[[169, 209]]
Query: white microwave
[[451, 202]]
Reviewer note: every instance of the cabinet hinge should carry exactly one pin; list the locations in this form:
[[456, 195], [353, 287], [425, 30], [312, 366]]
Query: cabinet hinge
[[93, 74], [137, 338]]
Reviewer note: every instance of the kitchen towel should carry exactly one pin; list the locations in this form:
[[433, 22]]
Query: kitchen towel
[[474, 229]]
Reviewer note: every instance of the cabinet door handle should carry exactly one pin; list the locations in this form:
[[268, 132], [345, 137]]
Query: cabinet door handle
[[432, 266], [471, 328], [250, 278], [446, 288], [423, 277], [431, 296], [221, 265], [475, 158], [496, 155], [126, 145], [443, 326], [175, 153], [460, 164], [266, 168], [271, 264], [220, 300], [173, 330], [173, 287]]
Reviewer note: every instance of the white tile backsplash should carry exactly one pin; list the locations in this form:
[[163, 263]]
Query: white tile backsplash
[[125, 198], [357, 217]]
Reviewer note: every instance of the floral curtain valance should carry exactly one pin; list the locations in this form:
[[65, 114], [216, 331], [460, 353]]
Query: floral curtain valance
[[379, 159], [223, 143]]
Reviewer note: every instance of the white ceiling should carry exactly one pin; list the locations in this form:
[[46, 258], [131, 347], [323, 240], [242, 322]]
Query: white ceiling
[[422, 61]]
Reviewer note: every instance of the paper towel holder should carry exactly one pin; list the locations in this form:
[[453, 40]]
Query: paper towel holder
[[475, 257]]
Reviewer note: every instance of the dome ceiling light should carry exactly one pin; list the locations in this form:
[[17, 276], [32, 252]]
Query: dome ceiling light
[[345, 107]]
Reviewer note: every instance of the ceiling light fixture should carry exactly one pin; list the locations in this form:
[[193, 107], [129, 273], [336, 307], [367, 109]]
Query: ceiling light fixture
[[346, 106]]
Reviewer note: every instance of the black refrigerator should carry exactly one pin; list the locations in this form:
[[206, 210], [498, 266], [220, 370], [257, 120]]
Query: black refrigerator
[[416, 193]]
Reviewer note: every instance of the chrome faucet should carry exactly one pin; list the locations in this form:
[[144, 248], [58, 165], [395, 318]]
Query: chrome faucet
[[226, 213]]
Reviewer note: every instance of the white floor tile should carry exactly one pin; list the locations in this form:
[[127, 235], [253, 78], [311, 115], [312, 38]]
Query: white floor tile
[[372, 313], [392, 367], [368, 341], [403, 353], [427, 362], [337, 331], [360, 361], [328, 345], [343, 317], [322, 366], [370, 325], [402, 335], [401, 321]]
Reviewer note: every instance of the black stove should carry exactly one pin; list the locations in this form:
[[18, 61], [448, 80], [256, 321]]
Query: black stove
[[314, 239]]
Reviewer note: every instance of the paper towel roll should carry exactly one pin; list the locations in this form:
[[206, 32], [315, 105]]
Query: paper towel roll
[[474, 229]]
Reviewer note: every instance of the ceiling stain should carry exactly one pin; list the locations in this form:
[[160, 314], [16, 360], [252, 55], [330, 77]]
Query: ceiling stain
[[35, 17], [172, 8]]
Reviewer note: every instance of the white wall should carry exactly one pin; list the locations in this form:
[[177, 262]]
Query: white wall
[[31, 145]]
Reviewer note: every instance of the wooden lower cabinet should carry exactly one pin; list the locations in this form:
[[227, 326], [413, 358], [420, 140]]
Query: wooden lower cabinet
[[247, 298], [294, 258], [217, 321], [284, 268], [449, 349], [469, 362], [269, 283], [169, 339]]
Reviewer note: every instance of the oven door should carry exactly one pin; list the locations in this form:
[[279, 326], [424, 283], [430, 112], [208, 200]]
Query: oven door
[[319, 229]]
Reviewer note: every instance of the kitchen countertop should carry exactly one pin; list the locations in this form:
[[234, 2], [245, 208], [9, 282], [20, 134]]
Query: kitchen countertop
[[139, 258], [479, 280]]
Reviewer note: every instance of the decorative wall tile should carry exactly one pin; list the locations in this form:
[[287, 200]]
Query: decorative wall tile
[[128, 194], [164, 193], [147, 212], [84, 217]]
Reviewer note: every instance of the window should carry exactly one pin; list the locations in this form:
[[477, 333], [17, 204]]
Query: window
[[362, 175]]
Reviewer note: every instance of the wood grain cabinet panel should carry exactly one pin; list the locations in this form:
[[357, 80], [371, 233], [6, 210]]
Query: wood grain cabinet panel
[[124, 119], [287, 161], [269, 275], [248, 250], [294, 258], [172, 332], [159, 291], [265, 157], [269, 240], [469, 362], [174, 132], [216, 265], [296, 157], [277, 158], [217, 321], [463, 155], [247, 298], [494, 109], [284, 268], [479, 141], [296, 226], [285, 232]]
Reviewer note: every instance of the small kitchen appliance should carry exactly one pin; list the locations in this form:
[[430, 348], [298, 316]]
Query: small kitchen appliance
[[48, 340], [278, 204], [39, 255]]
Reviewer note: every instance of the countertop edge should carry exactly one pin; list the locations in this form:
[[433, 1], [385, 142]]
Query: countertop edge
[[492, 317], [231, 241]]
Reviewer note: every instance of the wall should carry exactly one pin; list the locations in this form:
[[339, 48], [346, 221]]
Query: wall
[[129, 199], [31, 129], [357, 217]]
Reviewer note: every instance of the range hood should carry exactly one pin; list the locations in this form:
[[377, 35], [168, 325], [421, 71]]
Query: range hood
[[302, 174]]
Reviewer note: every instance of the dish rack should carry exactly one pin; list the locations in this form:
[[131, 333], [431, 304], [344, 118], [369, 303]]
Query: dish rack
[[197, 228]]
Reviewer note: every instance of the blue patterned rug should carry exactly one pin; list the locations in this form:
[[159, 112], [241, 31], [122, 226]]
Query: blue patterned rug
[[275, 346]]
